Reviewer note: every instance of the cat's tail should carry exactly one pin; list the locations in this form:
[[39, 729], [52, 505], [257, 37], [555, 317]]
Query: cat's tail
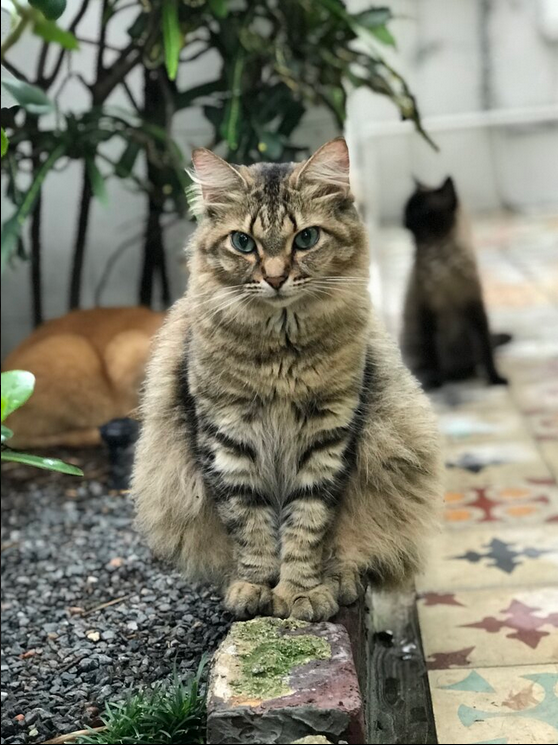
[[498, 340]]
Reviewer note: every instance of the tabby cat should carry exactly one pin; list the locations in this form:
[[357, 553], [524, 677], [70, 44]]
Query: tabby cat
[[89, 366], [446, 334], [285, 449]]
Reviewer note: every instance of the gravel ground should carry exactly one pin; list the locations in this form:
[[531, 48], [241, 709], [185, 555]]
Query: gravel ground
[[68, 549]]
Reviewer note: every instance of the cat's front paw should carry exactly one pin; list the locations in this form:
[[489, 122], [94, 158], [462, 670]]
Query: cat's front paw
[[317, 604], [345, 582], [246, 600]]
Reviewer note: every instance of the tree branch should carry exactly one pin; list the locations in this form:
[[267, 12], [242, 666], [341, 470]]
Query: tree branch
[[130, 95], [48, 81], [95, 43], [102, 42], [196, 54], [15, 72]]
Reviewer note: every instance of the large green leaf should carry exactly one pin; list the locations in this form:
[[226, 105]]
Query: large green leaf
[[17, 386], [50, 31], [5, 143], [51, 9], [172, 37], [96, 180], [12, 227], [33, 99], [49, 464]]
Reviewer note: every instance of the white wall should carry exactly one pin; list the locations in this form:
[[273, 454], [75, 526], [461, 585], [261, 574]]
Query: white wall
[[460, 57]]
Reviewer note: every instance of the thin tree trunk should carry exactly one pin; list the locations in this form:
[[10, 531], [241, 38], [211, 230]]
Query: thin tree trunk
[[80, 242], [154, 259], [36, 264], [35, 236]]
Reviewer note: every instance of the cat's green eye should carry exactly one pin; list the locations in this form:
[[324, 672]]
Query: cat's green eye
[[242, 242], [307, 238]]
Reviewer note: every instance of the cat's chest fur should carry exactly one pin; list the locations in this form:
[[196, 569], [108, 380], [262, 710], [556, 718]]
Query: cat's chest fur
[[279, 395]]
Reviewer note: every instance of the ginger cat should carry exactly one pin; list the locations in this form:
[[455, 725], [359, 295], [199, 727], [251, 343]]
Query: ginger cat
[[89, 366]]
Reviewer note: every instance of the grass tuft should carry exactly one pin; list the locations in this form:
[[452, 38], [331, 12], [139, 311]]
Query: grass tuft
[[169, 713]]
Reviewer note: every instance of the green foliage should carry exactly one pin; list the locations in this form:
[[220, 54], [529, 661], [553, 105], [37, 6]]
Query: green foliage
[[29, 97], [277, 60], [96, 179], [17, 387], [5, 143], [168, 713], [11, 229], [50, 31], [51, 9], [172, 37]]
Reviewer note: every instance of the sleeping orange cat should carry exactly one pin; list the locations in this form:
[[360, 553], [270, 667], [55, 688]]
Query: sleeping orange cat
[[89, 366]]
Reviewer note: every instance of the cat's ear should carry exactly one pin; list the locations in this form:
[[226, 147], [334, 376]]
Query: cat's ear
[[449, 192], [327, 169], [215, 182]]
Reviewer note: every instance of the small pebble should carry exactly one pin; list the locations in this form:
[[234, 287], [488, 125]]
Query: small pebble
[[60, 666]]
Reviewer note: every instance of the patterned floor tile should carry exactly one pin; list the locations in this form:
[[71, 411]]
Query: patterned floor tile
[[549, 451], [497, 463], [496, 705], [532, 396], [543, 423], [489, 557], [489, 628], [471, 424], [524, 503]]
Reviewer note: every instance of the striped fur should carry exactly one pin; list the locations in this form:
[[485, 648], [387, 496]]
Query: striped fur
[[285, 450]]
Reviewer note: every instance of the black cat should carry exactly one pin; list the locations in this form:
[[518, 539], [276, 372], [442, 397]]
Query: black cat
[[446, 334]]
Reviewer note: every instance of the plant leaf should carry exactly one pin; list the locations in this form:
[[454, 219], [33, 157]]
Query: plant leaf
[[51, 9], [127, 160], [373, 17], [12, 227], [6, 433], [187, 98], [31, 98], [50, 31], [17, 386], [219, 8], [49, 464], [230, 128], [172, 37], [5, 142], [96, 180], [383, 34]]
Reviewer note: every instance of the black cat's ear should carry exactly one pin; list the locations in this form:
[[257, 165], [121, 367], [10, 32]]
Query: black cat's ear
[[449, 192], [215, 182], [327, 170]]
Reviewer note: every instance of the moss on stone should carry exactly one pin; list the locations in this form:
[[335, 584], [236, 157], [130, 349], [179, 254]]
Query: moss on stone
[[267, 655]]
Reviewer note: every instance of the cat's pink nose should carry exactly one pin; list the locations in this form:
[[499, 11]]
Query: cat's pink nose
[[276, 282]]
